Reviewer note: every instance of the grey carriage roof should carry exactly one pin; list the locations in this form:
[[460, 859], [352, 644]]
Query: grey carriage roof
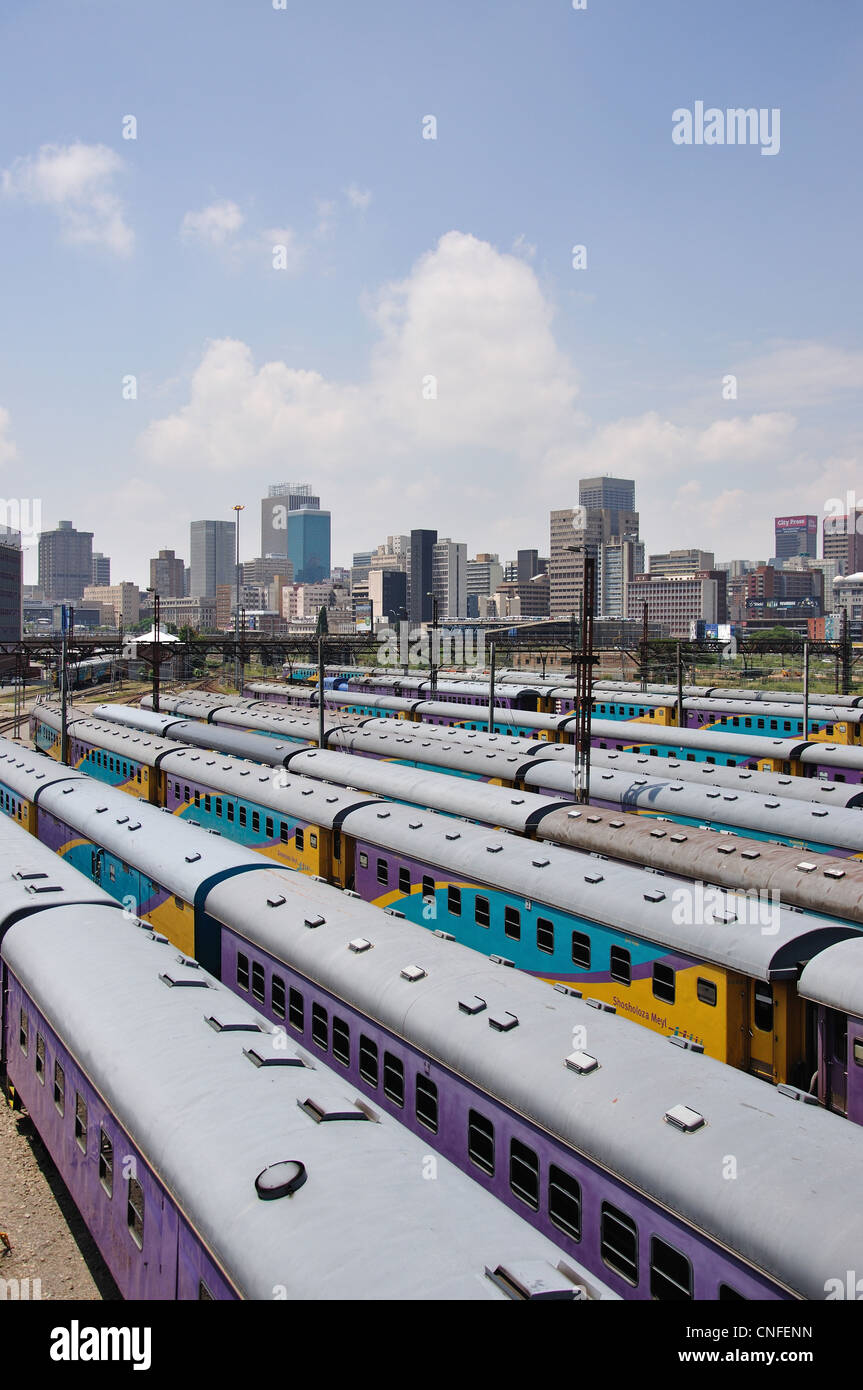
[[774, 709], [835, 977], [833, 755], [279, 790], [714, 740], [145, 836], [817, 882], [626, 896], [134, 718], [832, 825], [27, 774], [114, 738], [33, 877], [365, 1225], [457, 754], [515, 810], [735, 694], [615, 1114], [736, 778]]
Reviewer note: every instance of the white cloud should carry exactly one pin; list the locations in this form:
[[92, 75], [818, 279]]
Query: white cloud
[[214, 224], [522, 247], [77, 182], [358, 198], [798, 374], [468, 418]]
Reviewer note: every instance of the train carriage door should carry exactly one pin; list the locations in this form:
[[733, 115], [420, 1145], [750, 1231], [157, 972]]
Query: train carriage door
[[836, 1060], [762, 1009], [342, 867], [96, 865]]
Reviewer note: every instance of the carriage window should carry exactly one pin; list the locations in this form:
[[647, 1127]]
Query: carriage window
[[619, 1236], [426, 1103], [186, 794], [763, 1011], [256, 821], [300, 838], [106, 1162], [670, 1272], [481, 912], [243, 815], [320, 1026], [428, 887], [341, 1041], [229, 811], [480, 1141], [283, 831], [544, 935], [80, 1122], [197, 797], [277, 996], [404, 880], [313, 839], [368, 1060], [259, 983], [858, 1052], [524, 1174], [135, 1212], [59, 1088], [621, 965], [242, 971], [581, 950], [512, 923], [23, 1032], [364, 861], [40, 1058], [296, 1010], [663, 982], [394, 1078], [269, 827], [564, 1202], [453, 901], [706, 991], [207, 802], [383, 871]]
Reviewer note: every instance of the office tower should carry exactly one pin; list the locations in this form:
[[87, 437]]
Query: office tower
[[483, 576], [167, 574], [65, 562], [843, 541], [119, 601], [421, 575], [528, 565], [11, 586], [281, 500], [101, 568], [449, 578], [621, 561], [675, 601], [212, 552], [613, 495], [309, 544], [795, 535], [388, 593]]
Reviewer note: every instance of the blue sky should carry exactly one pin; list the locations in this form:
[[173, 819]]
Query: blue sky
[[410, 258]]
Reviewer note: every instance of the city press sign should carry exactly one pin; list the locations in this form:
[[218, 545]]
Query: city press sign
[[797, 523]]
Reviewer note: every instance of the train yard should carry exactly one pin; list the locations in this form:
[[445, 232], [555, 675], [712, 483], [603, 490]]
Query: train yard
[[421, 908]]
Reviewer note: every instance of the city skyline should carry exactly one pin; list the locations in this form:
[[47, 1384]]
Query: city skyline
[[228, 298]]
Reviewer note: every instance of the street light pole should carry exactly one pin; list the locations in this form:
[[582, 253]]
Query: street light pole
[[237, 508], [433, 652]]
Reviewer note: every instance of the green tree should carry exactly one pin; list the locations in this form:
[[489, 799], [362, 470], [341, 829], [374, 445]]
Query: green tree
[[323, 626]]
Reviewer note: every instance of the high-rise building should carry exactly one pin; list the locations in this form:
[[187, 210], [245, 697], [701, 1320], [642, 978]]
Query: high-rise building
[[281, 500], [843, 541], [675, 601], [449, 578], [421, 575], [388, 592], [167, 574], [101, 568], [65, 562], [795, 535], [528, 565], [11, 587], [309, 544], [828, 567], [212, 554], [620, 562], [613, 495], [483, 576]]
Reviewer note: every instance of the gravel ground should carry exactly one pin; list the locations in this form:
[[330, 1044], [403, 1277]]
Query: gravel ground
[[48, 1237]]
